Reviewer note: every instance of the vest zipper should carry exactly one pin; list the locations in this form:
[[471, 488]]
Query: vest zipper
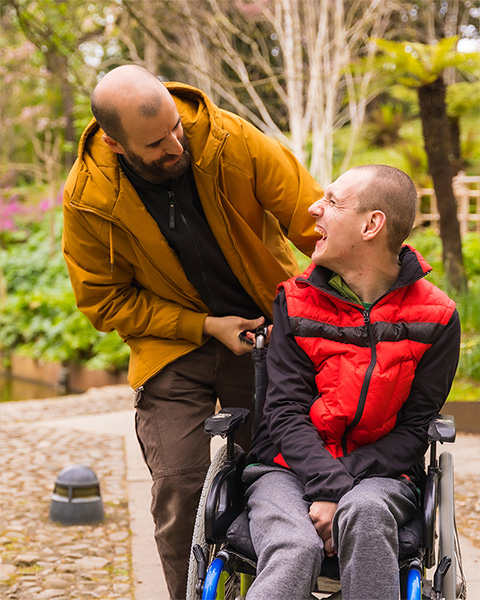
[[365, 384]]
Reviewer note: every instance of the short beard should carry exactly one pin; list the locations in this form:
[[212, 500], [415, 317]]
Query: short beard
[[156, 171]]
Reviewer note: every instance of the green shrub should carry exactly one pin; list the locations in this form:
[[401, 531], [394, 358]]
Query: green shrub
[[383, 126], [38, 315]]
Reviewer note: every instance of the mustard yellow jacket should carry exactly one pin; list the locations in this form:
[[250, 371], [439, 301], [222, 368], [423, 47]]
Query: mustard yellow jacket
[[124, 274]]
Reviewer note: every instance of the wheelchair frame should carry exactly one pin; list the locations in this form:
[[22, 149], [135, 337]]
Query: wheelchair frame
[[218, 569]]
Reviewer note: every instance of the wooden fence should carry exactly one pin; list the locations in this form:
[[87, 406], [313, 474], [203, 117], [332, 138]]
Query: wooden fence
[[467, 192]]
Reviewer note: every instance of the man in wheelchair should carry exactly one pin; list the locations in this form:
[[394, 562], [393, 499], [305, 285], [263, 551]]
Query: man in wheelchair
[[362, 357]]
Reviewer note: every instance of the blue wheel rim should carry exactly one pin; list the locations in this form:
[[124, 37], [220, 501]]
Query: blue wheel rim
[[211, 579], [414, 585]]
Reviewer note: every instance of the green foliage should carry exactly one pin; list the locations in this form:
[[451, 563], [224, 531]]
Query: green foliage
[[416, 162], [384, 124], [413, 64], [428, 243], [38, 315], [468, 303], [464, 390], [463, 98]]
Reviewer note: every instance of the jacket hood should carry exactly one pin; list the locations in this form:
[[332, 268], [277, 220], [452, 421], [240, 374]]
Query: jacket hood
[[98, 165]]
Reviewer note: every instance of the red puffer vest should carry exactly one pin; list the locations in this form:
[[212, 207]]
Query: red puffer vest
[[364, 360]]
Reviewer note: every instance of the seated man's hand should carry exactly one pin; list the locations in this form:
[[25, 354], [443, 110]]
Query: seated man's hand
[[228, 329], [321, 514]]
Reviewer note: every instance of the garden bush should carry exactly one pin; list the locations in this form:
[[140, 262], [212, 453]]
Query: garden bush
[[38, 315]]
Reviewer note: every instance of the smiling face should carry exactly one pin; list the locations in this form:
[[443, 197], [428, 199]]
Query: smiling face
[[156, 146], [340, 222]]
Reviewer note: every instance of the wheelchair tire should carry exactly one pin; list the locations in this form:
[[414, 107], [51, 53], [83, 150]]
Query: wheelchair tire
[[446, 524], [217, 464]]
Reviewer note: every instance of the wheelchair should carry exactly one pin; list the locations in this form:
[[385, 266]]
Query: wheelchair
[[222, 559]]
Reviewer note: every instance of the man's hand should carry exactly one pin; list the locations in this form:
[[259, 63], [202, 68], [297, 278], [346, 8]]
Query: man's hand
[[321, 514], [227, 330]]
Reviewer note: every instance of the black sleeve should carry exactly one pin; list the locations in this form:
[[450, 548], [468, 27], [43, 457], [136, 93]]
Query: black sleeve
[[406, 444], [290, 395]]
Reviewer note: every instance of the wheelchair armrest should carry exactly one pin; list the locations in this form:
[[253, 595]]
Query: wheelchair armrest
[[442, 429], [226, 421]]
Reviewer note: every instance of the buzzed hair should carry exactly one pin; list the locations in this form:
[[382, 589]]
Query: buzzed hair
[[151, 107], [107, 114], [108, 118], [393, 192]]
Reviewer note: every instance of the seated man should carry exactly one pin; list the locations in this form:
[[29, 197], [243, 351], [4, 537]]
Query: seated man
[[363, 355]]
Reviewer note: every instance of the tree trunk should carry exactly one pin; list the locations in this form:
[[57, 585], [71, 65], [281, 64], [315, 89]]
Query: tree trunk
[[457, 161], [57, 64], [436, 134]]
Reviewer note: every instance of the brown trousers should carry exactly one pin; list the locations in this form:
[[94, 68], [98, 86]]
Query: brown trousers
[[170, 411]]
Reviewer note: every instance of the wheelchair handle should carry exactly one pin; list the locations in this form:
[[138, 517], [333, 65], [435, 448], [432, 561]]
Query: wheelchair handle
[[260, 336]]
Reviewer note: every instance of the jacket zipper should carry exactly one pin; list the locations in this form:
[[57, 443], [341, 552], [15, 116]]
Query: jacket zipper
[[171, 209], [371, 366], [212, 303], [373, 359], [366, 382]]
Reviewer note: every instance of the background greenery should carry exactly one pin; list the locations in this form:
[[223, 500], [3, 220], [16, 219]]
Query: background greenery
[[38, 316]]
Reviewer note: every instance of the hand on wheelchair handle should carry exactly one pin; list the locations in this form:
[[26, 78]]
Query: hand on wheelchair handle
[[234, 332], [258, 338]]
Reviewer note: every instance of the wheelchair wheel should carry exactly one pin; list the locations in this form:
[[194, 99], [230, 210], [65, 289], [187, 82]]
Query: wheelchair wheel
[[218, 463], [446, 523], [454, 586]]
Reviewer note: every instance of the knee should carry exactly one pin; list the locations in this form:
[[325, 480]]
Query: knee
[[368, 510], [297, 550]]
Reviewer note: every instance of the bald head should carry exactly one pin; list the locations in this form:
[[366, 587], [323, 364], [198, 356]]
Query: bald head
[[128, 90]]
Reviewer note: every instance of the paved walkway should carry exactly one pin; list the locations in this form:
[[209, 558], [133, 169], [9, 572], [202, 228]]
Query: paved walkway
[[50, 434]]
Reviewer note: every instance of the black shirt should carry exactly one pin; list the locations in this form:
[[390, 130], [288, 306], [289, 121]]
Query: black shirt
[[177, 209]]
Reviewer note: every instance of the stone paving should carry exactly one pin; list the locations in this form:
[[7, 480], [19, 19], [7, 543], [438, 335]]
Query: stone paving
[[467, 508], [43, 560], [40, 559]]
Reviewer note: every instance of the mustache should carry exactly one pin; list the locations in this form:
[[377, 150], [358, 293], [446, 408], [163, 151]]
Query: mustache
[[186, 151]]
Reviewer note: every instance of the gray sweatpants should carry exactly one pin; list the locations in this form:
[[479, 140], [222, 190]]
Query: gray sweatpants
[[290, 553]]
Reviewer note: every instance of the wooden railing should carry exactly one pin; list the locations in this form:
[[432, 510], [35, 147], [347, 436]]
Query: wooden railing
[[467, 192]]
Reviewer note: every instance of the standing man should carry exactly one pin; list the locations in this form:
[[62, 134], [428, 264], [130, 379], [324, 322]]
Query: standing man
[[176, 219], [362, 357]]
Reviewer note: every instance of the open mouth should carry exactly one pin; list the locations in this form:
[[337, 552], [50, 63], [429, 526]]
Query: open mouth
[[322, 234]]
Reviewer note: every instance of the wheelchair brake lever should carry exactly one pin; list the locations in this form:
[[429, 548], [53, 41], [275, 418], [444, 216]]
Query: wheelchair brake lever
[[201, 568], [440, 573]]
